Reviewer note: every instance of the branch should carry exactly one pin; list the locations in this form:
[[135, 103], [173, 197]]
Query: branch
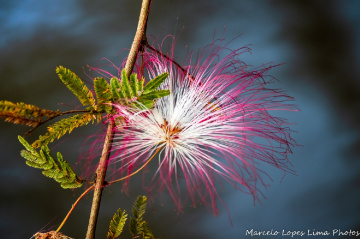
[[139, 36], [100, 177], [101, 170]]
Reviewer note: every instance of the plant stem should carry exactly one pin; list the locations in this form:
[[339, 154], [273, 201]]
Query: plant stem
[[73, 207], [139, 36], [130, 175], [102, 167], [100, 177]]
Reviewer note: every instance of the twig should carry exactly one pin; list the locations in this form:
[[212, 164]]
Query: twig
[[73, 207], [59, 114], [130, 175], [139, 36]]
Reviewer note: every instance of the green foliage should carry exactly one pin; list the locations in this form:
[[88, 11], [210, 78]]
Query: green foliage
[[134, 83], [60, 128], [137, 224], [141, 84], [117, 224], [133, 92], [103, 94], [155, 94], [76, 85], [126, 88], [60, 171], [155, 83], [144, 103], [115, 88], [21, 113]]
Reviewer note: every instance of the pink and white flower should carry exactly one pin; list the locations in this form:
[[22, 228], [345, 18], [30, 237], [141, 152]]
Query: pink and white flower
[[217, 124]]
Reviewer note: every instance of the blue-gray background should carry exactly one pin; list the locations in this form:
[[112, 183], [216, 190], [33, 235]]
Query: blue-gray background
[[318, 41]]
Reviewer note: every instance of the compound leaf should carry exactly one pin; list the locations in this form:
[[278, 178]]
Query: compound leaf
[[155, 83], [103, 94], [115, 88], [155, 94], [125, 86], [60, 171], [76, 85], [60, 128], [134, 84], [21, 113], [117, 224], [137, 223]]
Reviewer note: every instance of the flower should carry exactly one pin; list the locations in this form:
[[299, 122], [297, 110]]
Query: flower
[[215, 125]]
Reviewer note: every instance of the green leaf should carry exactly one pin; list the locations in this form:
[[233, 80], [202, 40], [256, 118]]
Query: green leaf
[[141, 84], [76, 85], [137, 223], [61, 171], [125, 86], [28, 155], [134, 84], [28, 146], [147, 232], [61, 127], [155, 94], [117, 224], [155, 83], [115, 88], [33, 164], [144, 104], [103, 94]]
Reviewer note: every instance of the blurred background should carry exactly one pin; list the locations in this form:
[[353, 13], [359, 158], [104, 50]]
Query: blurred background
[[317, 41]]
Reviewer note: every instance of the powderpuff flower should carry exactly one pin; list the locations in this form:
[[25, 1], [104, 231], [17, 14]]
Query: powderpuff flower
[[216, 125]]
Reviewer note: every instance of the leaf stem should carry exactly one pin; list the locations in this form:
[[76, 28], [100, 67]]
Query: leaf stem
[[73, 207], [132, 174]]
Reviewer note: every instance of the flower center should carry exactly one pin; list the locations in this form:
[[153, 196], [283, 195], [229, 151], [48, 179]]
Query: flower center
[[170, 133]]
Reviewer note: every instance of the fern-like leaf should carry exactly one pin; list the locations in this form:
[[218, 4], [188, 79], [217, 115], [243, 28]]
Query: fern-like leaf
[[60, 128], [144, 104], [155, 83], [20, 120], [137, 223], [141, 84], [117, 224], [115, 88], [155, 94], [21, 113], [134, 84], [103, 94], [147, 232], [60, 171], [76, 85], [125, 85]]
